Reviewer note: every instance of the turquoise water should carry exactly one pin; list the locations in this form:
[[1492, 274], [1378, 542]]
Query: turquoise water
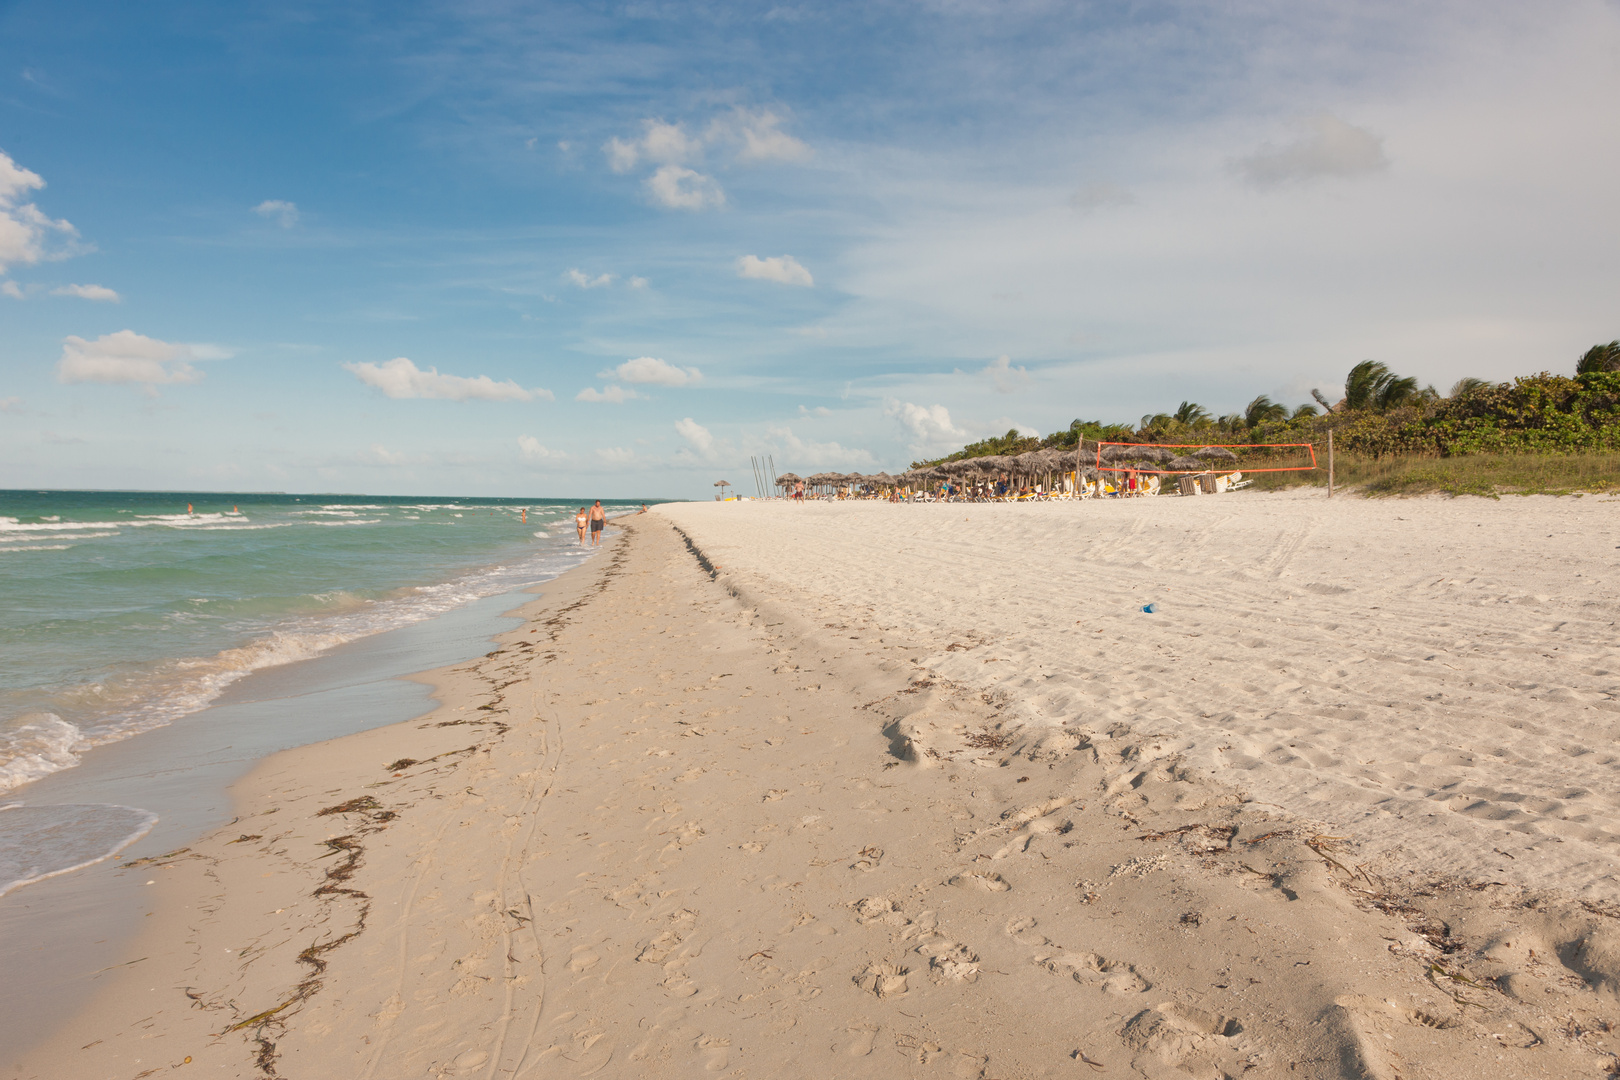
[[120, 612]]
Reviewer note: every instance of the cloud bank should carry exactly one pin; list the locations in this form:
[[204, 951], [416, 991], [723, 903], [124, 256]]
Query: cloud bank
[[128, 357], [25, 232], [782, 269], [1327, 147], [399, 378], [88, 292], [283, 213], [651, 370], [611, 395]]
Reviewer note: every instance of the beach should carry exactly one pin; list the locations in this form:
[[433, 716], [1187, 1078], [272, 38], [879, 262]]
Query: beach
[[888, 790]]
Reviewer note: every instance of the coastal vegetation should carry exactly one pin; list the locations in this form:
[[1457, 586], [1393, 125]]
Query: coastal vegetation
[[1536, 433]]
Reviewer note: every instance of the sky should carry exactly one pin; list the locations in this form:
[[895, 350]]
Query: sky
[[617, 249]]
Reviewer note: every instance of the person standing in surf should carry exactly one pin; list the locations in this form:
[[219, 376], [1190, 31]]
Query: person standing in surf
[[598, 519], [579, 524]]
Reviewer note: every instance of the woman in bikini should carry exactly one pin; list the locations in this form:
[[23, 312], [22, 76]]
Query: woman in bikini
[[579, 523]]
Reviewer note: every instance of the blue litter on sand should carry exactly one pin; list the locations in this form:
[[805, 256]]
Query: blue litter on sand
[[1150, 608]]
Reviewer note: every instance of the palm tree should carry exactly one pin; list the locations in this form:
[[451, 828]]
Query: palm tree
[[1303, 411], [1467, 385], [1191, 414], [1362, 384], [1600, 358], [1261, 410], [1371, 385], [1398, 392]]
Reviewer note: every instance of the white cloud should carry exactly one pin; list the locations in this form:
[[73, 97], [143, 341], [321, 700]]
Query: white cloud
[[621, 155], [819, 410], [1006, 377], [808, 331], [88, 292], [284, 213], [650, 369], [638, 283], [11, 405], [25, 232], [612, 395], [379, 454], [783, 269], [1327, 147], [12, 289], [661, 142], [761, 136], [585, 281], [1090, 197], [616, 455], [927, 424], [400, 378], [696, 434], [128, 357], [680, 188], [804, 452], [533, 450], [668, 144]]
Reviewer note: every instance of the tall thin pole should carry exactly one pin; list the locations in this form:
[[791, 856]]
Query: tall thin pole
[[1330, 463]]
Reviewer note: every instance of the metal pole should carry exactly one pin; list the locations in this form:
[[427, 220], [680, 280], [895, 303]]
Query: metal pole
[[1330, 463]]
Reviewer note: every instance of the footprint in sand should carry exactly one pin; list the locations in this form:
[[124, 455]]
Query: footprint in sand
[[1088, 969], [883, 979], [1022, 930], [987, 882], [583, 959], [861, 1036], [715, 1051], [467, 1061]]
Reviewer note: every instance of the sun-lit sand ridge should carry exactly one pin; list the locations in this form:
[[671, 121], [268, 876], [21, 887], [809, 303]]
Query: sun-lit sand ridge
[[1440, 677], [790, 793]]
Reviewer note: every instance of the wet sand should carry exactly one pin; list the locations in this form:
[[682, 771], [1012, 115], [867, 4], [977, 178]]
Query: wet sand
[[707, 813]]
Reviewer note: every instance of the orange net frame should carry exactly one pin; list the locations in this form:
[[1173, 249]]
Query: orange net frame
[[1228, 467]]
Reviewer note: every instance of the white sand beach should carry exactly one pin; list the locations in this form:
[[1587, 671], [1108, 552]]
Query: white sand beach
[[875, 790]]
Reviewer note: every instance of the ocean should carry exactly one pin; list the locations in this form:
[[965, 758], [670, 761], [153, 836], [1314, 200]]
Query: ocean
[[122, 612]]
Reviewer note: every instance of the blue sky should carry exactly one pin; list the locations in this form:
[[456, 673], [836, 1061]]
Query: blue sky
[[545, 249]]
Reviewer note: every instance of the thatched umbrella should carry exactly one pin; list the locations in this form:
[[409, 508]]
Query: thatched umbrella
[[1186, 464], [788, 478], [722, 484], [1215, 453]]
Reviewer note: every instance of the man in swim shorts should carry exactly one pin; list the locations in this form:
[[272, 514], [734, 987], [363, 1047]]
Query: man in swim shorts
[[598, 519]]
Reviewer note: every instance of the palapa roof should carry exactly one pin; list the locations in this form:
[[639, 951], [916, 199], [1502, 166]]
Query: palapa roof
[[1215, 453], [1186, 463], [789, 478]]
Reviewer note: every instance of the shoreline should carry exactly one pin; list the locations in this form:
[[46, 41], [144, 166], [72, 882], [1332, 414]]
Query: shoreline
[[680, 820], [64, 929]]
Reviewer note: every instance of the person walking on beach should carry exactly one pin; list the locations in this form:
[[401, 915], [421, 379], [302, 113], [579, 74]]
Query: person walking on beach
[[598, 519], [579, 524]]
